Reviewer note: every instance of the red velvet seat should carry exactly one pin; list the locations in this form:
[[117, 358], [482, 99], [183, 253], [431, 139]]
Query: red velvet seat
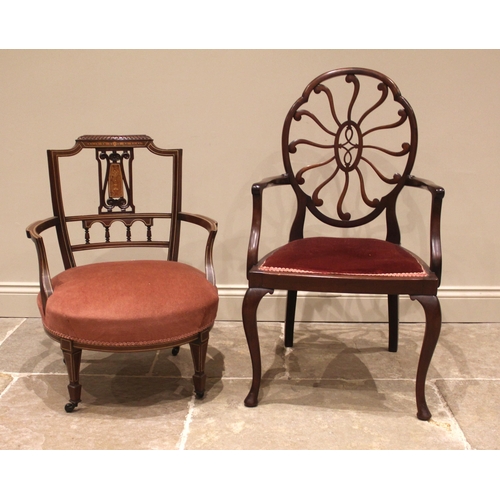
[[343, 256], [348, 146], [124, 305], [131, 304]]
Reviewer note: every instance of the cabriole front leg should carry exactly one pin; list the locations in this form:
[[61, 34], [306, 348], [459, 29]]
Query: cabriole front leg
[[250, 303], [432, 309]]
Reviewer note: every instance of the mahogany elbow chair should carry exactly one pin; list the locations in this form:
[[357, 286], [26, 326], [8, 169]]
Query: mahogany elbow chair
[[348, 146], [123, 305]]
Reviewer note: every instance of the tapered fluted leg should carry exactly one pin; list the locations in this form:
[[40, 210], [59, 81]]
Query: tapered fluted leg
[[199, 355], [393, 302], [291, 303], [72, 358], [432, 309], [249, 309]]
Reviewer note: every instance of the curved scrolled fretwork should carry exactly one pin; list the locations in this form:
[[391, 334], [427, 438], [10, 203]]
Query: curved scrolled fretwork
[[342, 146]]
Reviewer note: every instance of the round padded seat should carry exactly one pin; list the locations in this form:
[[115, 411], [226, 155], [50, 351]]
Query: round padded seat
[[130, 304]]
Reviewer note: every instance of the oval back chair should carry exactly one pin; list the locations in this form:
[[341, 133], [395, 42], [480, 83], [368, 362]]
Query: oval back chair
[[348, 145]]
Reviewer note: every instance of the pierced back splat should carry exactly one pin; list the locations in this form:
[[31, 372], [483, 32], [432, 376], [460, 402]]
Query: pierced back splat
[[349, 144], [115, 182]]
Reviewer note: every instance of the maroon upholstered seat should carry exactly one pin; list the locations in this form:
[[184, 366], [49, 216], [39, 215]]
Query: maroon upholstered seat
[[129, 304], [348, 145], [343, 256]]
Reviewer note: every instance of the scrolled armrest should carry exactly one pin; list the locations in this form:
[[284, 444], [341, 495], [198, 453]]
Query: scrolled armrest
[[277, 180], [437, 193], [33, 231], [425, 184], [257, 189], [211, 226]]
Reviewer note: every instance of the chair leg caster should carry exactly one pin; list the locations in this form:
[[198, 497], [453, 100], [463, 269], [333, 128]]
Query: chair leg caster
[[199, 394], [175, 351], [70, 407]]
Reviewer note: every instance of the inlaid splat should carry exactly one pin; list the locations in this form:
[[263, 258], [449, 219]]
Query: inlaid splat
[[116, 189]]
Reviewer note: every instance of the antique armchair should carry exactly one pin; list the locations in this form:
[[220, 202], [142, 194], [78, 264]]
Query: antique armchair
[[348, 146], [137, 304]]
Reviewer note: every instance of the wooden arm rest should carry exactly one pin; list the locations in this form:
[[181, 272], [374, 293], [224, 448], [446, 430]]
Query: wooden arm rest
[[211, 226], [425, 184], [437, 193], [278, 180], [33, 231], [257, 189]]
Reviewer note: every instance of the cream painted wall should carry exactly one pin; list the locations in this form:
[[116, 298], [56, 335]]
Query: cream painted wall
[[225, 108]]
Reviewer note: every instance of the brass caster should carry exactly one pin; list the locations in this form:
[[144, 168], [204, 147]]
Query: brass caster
[[70, 407]]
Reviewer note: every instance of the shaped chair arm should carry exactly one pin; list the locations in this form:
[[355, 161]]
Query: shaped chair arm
[[33, 231], [211, 226], [437, 193], [257, 189]]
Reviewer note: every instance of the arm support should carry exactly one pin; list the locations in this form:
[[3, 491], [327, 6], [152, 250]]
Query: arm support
[[211, 226], [437, 193], [33, 232], [257, 189]]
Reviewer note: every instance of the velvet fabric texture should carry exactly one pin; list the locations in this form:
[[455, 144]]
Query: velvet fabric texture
[[343, 256], [131, 303]]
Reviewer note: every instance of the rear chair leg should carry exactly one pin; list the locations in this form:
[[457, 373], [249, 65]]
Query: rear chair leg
[[72, 359], [393, 302], [291, 303]]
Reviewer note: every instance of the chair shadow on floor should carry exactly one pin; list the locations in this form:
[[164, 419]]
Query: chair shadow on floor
[[323, 370], [121, 384]]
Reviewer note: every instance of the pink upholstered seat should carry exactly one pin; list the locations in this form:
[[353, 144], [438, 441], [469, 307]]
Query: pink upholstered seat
[[130, 304]]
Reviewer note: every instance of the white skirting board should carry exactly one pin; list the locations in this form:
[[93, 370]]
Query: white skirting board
[[458, 304]]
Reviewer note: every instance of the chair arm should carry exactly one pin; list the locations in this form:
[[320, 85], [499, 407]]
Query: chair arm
[[257, 189], [33, 231], [211, 226], [437, 193]]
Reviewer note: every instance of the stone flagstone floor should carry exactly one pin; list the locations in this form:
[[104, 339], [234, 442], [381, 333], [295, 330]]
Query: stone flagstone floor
[[338, 388]]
